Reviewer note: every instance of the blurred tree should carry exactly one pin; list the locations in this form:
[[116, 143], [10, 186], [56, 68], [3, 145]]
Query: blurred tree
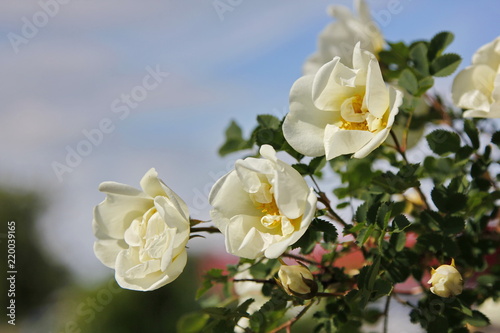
[[38, 277], [108, 308]]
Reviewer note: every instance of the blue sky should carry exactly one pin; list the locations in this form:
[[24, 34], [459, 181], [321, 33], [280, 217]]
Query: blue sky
[[64, 79]]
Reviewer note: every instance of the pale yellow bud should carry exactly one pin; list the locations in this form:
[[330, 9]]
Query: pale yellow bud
[[297, 280], [446, 281]]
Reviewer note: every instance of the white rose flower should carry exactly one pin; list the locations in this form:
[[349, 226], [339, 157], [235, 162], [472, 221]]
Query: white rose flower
[[142, 234], [339, 37], [297, 280], [341, 110], [477, 87], [262, 207], [446, 281]]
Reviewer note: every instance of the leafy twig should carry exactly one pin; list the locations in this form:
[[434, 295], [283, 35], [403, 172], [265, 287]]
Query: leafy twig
[[287, 325], [403, 155]]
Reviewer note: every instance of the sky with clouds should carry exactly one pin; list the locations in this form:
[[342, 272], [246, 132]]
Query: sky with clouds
[[68, 66]]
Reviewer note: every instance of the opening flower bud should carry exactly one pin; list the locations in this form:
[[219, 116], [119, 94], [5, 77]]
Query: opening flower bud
[[297, 281], [446, 281]]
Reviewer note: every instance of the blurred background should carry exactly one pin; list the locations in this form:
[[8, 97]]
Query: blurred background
[[104, 90]]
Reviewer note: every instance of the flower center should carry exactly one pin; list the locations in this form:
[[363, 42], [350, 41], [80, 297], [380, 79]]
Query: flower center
[[272, 217], [355, 117]]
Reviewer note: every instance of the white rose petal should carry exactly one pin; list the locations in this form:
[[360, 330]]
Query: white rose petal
[[262, 207], [341, 110], [477, 87], [339, 37], [142, 234]]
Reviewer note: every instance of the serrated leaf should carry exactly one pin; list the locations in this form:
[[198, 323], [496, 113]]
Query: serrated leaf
[[439, 43], [364, 234], [478, 319], [472, 132], [445, 65], [418, 54], [383, 215], [443, 142], [408, 81], [495, 138], [361, 212], [307, 242], [330, 233], [317, 164], [401, 223], [462, 156], [425, 84], [453, 225], [446, 201]]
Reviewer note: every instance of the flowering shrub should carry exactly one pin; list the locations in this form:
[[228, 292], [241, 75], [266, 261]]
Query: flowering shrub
[[307, 247]]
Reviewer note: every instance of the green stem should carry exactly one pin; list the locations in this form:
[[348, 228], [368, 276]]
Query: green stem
[[403, 155], [325, 201], [386, 313], [299, 258]]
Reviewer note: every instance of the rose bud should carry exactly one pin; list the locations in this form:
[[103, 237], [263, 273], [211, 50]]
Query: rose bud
[[297, 281], [446, 281]]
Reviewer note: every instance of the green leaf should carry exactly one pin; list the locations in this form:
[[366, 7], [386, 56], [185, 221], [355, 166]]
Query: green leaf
[[317, 164], [381, 288], [361, 212], [477, 319], [398, 241], [448, 201], [364, 234], [234, 140], [401, 223], [216, 312], [303, 169], [439, 43], [445, 65], [408, 81], [212, 276], [233, 131], [192, 322], [425, 84], [443, 142], [472, 132], [495, 138], [308, 241], [418, 54], [330, 233], [383, 215], [450, 247], [453, 225], [463, 155], [262, 269], [268, 121]]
